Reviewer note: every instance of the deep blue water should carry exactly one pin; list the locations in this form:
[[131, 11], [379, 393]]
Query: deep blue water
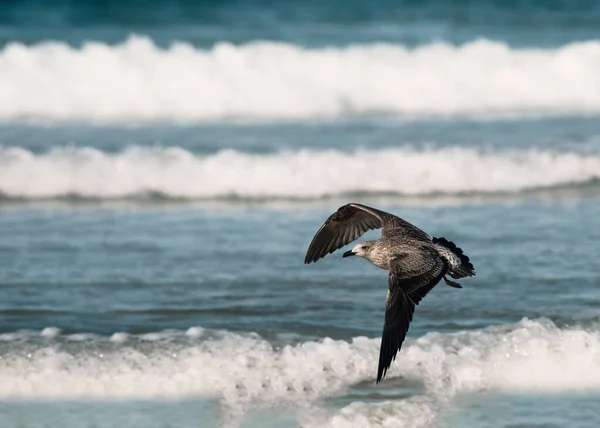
[[309, 23], [158, 192]]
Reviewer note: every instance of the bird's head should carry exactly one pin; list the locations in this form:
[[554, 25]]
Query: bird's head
[[361, 250]]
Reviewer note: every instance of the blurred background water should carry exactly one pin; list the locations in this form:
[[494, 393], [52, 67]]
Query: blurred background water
[[164, 166]]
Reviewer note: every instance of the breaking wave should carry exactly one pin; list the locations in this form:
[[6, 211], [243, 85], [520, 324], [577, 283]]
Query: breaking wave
[[175, 173], [530, 356], [138, 81]]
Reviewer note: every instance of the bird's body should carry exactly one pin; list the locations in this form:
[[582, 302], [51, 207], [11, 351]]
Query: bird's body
[[416, 262]]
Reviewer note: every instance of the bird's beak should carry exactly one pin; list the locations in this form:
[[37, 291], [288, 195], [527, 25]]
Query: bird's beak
[[349, 253]]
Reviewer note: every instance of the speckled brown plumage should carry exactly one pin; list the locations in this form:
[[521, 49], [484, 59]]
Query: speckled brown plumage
[[415, 260]]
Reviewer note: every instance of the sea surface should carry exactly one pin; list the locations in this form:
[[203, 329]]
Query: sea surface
[[164, 166]]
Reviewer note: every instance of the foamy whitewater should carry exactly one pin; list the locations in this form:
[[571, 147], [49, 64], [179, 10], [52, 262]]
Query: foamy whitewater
[[246, 370], [247, 367], [138, 81], [176, 173], [163, 170]]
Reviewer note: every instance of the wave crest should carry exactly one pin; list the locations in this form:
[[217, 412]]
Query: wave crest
[[138, 81], [246, 372], [179, 174], [533, 355]]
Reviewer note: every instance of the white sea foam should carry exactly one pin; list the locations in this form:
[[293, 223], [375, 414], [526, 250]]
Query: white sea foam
[[50, 332], [136, 80], [177, 173], [531, 356], [119, 337], [414, 412], [194, 332]]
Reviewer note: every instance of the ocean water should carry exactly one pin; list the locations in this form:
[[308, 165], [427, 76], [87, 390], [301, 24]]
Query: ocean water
[[163, 168]]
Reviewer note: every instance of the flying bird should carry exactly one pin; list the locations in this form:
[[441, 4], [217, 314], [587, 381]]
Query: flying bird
[[415, 260]]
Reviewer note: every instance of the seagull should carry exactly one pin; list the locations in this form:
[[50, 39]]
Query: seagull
[[415, 260]]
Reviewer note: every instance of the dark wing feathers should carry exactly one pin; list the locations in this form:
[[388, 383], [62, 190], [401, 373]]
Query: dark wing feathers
[[398, 316], [412, 276], [413, 273], [350, 222], [345, 225], [395, 226]]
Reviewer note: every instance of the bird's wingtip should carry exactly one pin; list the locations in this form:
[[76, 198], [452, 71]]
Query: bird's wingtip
[[380, 375]]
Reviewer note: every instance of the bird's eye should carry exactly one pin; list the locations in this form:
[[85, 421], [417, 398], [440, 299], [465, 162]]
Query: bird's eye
[[364, 247]]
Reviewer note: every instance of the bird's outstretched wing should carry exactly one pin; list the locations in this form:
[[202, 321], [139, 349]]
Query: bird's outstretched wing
[[342, 227], [412, 275], [350, 222]]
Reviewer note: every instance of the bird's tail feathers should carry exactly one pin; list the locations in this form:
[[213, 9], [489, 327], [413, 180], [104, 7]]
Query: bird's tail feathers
[[465, 268]]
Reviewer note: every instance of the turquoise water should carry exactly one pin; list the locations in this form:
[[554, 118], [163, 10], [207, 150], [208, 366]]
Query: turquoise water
[[154, 310], [158, 192]]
